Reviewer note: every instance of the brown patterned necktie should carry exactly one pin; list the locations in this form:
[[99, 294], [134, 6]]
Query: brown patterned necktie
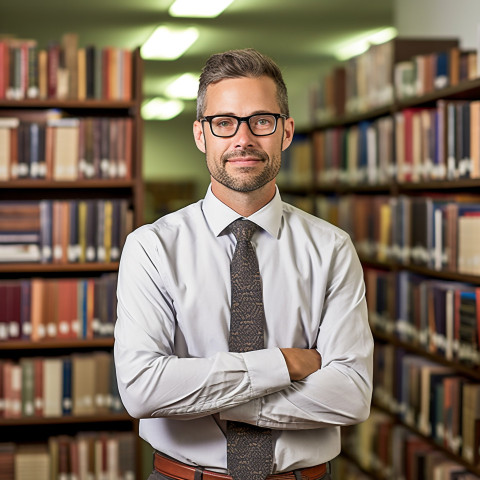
[[249, 448]]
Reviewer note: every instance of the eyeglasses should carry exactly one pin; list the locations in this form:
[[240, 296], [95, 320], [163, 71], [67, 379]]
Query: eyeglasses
[[260, 124]]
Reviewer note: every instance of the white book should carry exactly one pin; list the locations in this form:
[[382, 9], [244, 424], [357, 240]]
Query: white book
[[52, 387]]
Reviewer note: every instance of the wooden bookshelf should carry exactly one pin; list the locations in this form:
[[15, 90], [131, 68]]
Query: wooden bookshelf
[[336, 192], [57, 344], [39, 428]]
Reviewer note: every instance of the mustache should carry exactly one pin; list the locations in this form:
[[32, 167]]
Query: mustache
[[258, 154]]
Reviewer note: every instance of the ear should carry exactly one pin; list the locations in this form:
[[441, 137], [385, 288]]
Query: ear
[[199, 136], [288, 133]]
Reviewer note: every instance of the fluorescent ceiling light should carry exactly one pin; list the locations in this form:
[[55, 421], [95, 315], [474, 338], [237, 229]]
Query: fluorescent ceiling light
[[161, 109], [198, 8], [184, 87], [362, 43], [168, 43]]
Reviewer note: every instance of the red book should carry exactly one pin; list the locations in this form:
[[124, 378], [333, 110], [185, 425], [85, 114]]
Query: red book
[[63, 309], [408, 159], [49, 149], [2, 389], [3, 70], [13, 314]]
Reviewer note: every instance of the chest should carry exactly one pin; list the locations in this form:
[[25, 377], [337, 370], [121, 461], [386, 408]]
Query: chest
[[293, 288]]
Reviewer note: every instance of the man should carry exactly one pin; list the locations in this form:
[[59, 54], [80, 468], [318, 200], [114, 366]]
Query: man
[[176, 368]]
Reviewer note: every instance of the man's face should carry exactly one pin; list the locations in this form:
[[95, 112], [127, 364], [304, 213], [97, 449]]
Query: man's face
[[244, 162]]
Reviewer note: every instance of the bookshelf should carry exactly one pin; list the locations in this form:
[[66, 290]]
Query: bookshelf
[[58, 400], [400, 172]]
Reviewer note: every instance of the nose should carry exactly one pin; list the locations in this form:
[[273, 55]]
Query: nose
[[244, 136]]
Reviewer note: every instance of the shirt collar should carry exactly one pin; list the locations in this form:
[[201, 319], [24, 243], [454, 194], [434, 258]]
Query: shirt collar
[[219, 215]]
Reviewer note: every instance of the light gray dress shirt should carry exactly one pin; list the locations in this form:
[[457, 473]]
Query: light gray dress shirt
[[173, 367]]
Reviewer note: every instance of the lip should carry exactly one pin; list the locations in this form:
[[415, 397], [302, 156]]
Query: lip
[[244, 161]]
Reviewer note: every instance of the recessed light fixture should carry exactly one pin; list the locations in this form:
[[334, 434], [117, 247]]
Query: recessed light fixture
[[198, 8], [184, 87], [161, 109], [361, 43], [167, 43]]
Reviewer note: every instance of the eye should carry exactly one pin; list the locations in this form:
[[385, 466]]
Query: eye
[[223, 122], [263, 121]]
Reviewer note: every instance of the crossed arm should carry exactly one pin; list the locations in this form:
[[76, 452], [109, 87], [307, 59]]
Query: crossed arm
[[301, 362], [280, 387]]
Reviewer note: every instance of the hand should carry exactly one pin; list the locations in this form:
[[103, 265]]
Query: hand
[[301, 362]]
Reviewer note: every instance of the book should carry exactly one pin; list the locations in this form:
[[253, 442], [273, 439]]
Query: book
[[28, 387], [83, 385], [52, 387], [7, 460], [65, 148], [468, 247], [32, 461]]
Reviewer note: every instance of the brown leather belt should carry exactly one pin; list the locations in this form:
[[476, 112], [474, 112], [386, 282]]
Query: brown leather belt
[[180, 471]]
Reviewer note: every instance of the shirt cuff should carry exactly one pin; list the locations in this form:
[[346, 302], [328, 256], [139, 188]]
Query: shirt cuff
[[267, 370], [268, 374]]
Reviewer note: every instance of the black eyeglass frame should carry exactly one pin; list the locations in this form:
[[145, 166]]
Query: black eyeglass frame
[[209, 118]]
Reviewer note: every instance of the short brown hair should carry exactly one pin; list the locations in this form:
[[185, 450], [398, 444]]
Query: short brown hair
[[247, 62]]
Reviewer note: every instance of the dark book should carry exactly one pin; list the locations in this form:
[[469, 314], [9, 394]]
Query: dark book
[[465, 160], [42, 165], [91, 230], [468, 329], [442, 69], [73, 242], [25, 309], [421, 234], [91, 53], [105, 148], [67, 386], [12, 307]]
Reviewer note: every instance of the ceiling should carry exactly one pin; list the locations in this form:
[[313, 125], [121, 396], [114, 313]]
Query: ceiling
[[301, 35]]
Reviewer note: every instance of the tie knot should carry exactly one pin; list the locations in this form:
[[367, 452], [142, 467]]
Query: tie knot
[[243, 229]]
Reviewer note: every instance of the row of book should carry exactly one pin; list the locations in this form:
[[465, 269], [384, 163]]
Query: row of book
[[430, 398], [414, 145], [86, 455], [395, 70], [390, 450], [437, 232], [49, 387], [440, 317], [63, 231], [64, 70], [66, 148], [423, 74], [37, 309]]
